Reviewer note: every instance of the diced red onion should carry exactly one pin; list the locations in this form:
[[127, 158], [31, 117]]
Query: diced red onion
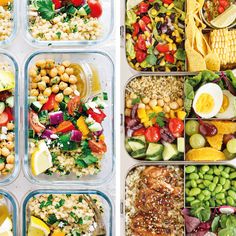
[[98, 133], [129, 133], [56, 118], [139, 126], [134, 111], [46, 134], [76, 136]]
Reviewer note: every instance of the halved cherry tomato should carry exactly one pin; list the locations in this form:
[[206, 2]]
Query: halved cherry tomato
[[96, 8], [34, 122], [176, 127], [3, 119], [9, 112], [162, 48], [57, 4], [221, 9], [139, 132], [141, 43], [143, 7], [136, 29], [140, 56], [73, 105], [152, 134], [98, 147], [136, 48], [51, 104], [146, 19], [224, 3], [167, 1], [169, 58], [97, 117], [65, 126]]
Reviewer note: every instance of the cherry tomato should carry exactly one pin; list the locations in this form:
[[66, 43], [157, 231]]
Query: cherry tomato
[[140, 56], [224, 3], [141, 43], [34, 122], [98, 147], [9, 112], [169, 58], [162, 48], [139, 132], [77, 3], [146, 19], [143, 7], [51, 104], [152, 134], [3, 119], [136, 29], [136, 48], [96, 8], [176, 127], [221, 9], [73, 105], [65, 126], [167, 1], [98, 117]]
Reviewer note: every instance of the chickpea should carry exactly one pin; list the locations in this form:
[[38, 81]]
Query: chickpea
[[74, 87], [180, 102], [147, 107], [40, 97], [127, 112], [141, 106], [68, 91], [133, 96], [70, 71], [53, 72], [10, 145], [59, 97], [41, 63], [34, 92], [10, 136], [44, 100], [154, 96], [35, 79], [42, 86], [66, 63], [55, 88], [47, 92], [65, 77], [167, 99], [61, 70], [2, 166], [9, 166], [63, 85], [33, 72], [174, 105], [55, 80], [73, 79], [160, 102], [49, 64], [10, 126], [33, 85], [10, 159], [153, 103], [5, 152], [129, 103], [166, 109], [43, 72], [146, 100], [46, 79]]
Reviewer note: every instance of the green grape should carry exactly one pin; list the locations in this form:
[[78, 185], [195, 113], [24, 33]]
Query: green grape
[[191, 127], [197, 141], [231, 146], [229, 155]]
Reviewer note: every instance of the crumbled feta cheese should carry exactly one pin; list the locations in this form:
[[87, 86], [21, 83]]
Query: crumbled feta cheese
[[53, 136], [3, 137], [77, 93], [4, 130]]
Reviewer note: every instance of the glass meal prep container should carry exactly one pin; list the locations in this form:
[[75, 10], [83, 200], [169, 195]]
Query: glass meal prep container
[[80, 29], [9, 214], [83, 215], [9, 160], [95, 166], [8, 21]]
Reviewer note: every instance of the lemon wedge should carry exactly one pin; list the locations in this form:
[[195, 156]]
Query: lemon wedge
[[38, 227], [7, 80], [6, 225], [41, 159], [6, 233], [226, 18]]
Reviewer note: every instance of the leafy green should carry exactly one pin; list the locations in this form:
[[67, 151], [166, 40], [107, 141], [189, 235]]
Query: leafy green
[[160, 119], [46, 9], [66, 144], [188, 90], [52, 219], [136, 100], [131, 18], [223, 219], [231, 76], [180, 54], [209, 75], [130, 48], [227, 232], [151, 59], [60, 204], [215, 223], [47, 203], [231, 221], [203, 213]]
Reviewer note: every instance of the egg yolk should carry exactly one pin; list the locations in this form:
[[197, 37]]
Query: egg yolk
[[225, 104], [205, 103]]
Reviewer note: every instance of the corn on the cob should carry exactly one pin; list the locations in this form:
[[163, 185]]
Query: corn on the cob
[[223, 42]]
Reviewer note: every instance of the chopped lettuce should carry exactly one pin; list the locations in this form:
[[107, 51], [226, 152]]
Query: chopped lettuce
[[180, 4], [151, 59], [131, 18], [130, 48], [180, 54]]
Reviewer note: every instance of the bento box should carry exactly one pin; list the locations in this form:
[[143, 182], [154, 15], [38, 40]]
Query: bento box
[[73, 212], [8, 21], [9, 146], [67, 23], [69, 107], [9, 214]]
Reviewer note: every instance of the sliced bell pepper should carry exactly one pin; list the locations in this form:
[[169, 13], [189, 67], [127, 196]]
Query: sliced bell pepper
[[97, 117], [51, 104], [65, 126], [82, 126]]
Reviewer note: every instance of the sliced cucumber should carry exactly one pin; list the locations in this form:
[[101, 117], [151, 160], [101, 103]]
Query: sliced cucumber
[[142, 138], [10, 101], [154, 149], [170, 151], [2, 107], [36, 106], [180, 144], [127, 146], [154, 158], [84, 10], [136, 144], [31, 133], [140, 153]]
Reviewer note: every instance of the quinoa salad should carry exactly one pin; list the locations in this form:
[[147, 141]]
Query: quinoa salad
[[7, 135], [65, 127], [63, 214], [65, 20], [154, 200], [6, 19]]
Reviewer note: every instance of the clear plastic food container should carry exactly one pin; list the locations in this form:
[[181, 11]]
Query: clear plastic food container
[[5, 58], [105, 200], [9, 201], [105, 70], [106, 21], [14, 12]]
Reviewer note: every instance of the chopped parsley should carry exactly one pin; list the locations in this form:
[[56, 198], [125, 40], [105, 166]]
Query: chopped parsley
[[52, 219], [46, 9], [46, 203], [60, 204], [136, 100], [160, 120]]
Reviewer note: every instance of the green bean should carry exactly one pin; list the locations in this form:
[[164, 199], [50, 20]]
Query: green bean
[[193, 183], [220, 196], [232, 194], [208, 177], [190, 169], [222, 180], [232, 175], [216, 180], [224, 174], [212, 187], [193, 176], [194, 192], [230, 201], [204, 169]]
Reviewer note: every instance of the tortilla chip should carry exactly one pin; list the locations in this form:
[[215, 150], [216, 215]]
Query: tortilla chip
[[192, 6], [200, 43], [212, 61], [190, 30]]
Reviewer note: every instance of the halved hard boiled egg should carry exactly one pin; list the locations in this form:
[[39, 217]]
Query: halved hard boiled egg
[[208, 100]]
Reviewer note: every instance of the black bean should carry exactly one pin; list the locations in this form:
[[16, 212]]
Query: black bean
[[169, 32], [161, 15], [134, 61], [172, 17], [158, 25], [157, 6], [128, 31], [173, 69], [161, 68], [173, 37]]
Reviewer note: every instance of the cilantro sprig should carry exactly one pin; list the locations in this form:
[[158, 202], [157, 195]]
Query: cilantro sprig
[[46, 9]]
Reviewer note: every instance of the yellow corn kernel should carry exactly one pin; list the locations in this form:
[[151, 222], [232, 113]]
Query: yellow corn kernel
[[147, 34], [168, 13], [154, 12], [157, 109], [82, 126], [181, 115], [148, 124], [167, 69], [163, 36], [178, 40], [168, 39], [128, 36], [162, 20], [157, 19], [170, 46], [167, 115], [142, 113], [176, 33], [102, 137], [170, 6], [144, 120], [162, 63], [172, 114], [174, 47]]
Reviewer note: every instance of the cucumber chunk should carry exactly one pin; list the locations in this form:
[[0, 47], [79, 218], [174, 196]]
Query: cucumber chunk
[[140, 153], [136, 144], [2, 107], [170, 151], [10, 101], [36, 106], [154, 149]]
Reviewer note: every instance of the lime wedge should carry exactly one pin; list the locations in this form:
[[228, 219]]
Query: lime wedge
[[132, 3], [7, 80], [226, 18], [37, 227]]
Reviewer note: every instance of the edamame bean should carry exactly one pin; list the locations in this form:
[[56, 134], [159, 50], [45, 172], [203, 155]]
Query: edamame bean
[[224, 174], [193, 183], [207, 203], [206, 182], [212, 187], [221, 168], [210, 172], [194, 192], [187, 191], [199, 181], [218, 202], [232, 194], [223, 201], [201, 197], [212, 203], [193, 176], [227, 169], [201, 186], [227, 184], [230, 201], [220, 196], [216, 180], [204, 169], [207, 197], [190, 169], [206, 192], [217, 171], [200, 175], [222, 180], [190, 199], [195, 202], [208, 177], [218, 188], [188, 184], [232, 175]]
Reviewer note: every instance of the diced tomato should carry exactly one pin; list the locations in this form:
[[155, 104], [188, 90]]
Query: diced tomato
[[169, 58], [141, 43], [9, 112], [136, 48], [176, 127], [151, 0], [3, 119], [152, 134], [136, 29], [167, 1], [162, 48], [143, 7], [143, 25], [146, 19], [140, 56], [73, 105], [97, 117], [95, 7], [34, 122], [139, 132], [57, 4], [221, 9], [51, 104], [77, 3], [65, 126], [98, 147], [224, 3]]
